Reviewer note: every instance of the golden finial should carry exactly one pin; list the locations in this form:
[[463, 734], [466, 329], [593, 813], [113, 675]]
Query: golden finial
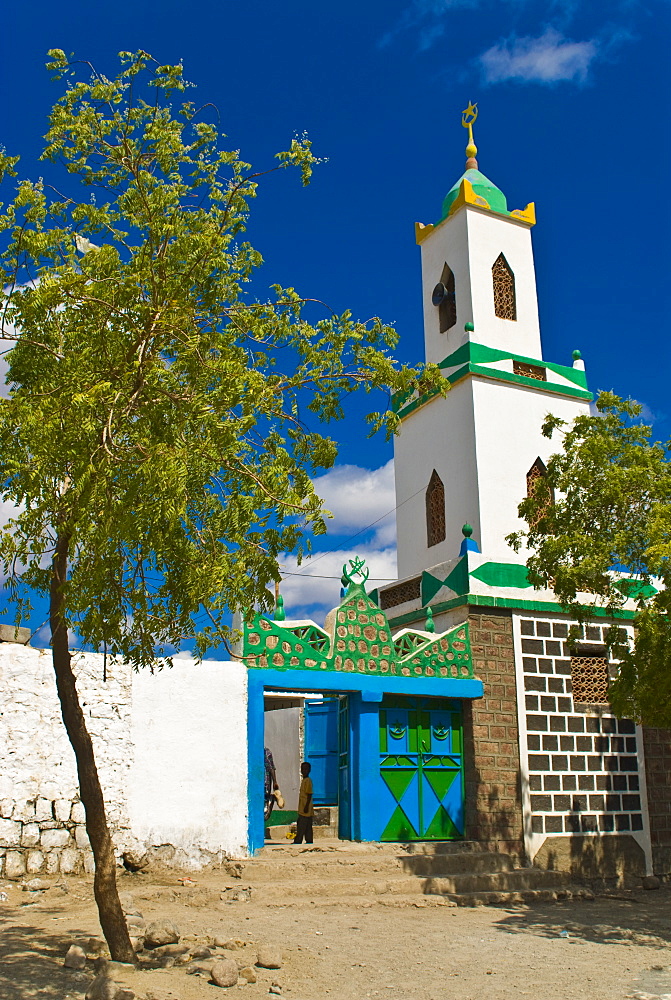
[[467, 118]]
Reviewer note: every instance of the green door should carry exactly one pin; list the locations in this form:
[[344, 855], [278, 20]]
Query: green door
[[421, 769]]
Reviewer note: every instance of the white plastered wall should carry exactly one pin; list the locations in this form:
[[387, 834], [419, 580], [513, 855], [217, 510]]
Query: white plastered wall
[[481, 439], [469, 242], [188, 782], [438, 436], [508, 420]]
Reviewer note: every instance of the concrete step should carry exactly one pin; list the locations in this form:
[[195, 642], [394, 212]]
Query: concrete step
[[318, 863], [525, 896], [435, 865], [284, 833], [517, 880], [462, 873], [316, 888]]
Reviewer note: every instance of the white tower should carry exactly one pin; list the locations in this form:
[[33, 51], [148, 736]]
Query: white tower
[[471, 456]]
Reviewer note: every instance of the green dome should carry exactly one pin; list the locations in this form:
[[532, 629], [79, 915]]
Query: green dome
[[482, 187]]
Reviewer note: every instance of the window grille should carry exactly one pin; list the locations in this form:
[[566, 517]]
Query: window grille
[[505, 306], [530, 371], [447, 310], [589, 679], [435, 510], [402, 592], [537, 485]]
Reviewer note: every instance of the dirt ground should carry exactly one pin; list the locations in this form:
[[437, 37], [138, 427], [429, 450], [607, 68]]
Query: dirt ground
[[611, 948]]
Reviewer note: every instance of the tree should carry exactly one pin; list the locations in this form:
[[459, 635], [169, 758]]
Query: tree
[[156, 441], [608, 535]]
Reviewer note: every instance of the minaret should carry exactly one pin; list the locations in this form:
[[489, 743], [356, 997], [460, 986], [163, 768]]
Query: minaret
[[470, 457]]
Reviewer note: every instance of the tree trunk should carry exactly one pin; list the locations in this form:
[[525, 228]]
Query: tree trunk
[[111, 915]]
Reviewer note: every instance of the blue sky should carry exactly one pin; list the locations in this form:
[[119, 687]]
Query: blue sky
[[574, 115]]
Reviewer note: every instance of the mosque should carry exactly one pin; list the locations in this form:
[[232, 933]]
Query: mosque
[[450, 704], [510, 741]]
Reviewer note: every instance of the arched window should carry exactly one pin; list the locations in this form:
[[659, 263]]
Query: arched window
[[435, 510], [537, 486], [447, 310], [505, 306]]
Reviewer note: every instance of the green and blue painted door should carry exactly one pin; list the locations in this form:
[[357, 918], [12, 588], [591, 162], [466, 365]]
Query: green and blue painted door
[[421, 780]]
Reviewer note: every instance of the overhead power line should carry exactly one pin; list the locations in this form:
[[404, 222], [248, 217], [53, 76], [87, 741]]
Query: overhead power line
[[351, 538]]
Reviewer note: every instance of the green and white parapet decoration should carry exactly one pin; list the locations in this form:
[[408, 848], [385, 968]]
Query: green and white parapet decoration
[[357, 638]]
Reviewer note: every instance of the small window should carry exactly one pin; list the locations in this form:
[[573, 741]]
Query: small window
[[447, 310], [402, 592], [505, 306], [589, 680], [530, 371], [435, 510], [537, 484]]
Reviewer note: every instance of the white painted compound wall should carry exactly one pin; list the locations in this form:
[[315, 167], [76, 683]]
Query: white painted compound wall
[[188, 785], [41, 817], [171, 752]]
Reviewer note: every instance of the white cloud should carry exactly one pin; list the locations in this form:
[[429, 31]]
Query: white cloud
[[315, 588], [359, 497], [550, 58], [5, 346], [42, 638]]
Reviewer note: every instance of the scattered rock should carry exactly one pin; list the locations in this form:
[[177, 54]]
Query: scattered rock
[[123, 994], [105, 967], [171, 949], [224, 972], [102, 988], [137, 943], [231, 944], [202, 968], [36, 885], [161, 932], [135, 861], [97, 947], [201, 951], [276, 989], [651, 882], [234, 895], [75, 957], [248, 974], [269, 956], [167, 962], [135, 920]]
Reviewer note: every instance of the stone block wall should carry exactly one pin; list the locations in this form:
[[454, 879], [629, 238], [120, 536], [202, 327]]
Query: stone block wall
[[41, 818], [493, 796], [657, 748]]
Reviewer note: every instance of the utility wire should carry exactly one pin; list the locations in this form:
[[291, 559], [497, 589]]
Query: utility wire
[[351, 538]]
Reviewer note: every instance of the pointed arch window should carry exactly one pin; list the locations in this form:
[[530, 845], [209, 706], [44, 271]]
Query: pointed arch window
[[435, 510], [538, 486], [447, 310], [505, 305]]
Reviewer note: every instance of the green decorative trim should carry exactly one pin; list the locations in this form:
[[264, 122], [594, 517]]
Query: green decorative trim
[[362, 643], [502, 574], [479, 600], [456, 580], [471, 359], [635, 588], [481, 354]]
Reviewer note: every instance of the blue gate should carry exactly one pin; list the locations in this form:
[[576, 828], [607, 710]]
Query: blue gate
[[321, 749]]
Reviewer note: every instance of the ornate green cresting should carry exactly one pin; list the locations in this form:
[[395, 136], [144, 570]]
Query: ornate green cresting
[[358, 639]]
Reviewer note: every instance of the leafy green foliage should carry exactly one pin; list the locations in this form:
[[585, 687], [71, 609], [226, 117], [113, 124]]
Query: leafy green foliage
[[608, 535], [164, 421]]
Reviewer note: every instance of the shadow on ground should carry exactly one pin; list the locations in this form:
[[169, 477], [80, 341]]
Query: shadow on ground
[[31, 959], [627, 918]]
